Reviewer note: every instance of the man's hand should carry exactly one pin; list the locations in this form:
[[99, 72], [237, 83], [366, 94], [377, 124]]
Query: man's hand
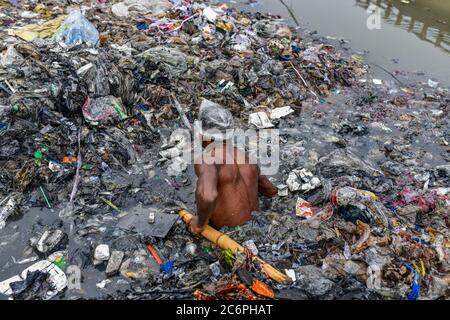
[[194, 226], [266, 187]]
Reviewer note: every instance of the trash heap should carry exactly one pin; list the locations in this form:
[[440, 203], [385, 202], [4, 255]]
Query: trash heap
[[91, 180]]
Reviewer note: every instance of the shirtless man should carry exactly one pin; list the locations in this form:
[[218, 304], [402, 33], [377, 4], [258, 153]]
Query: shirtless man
[[227, 185]]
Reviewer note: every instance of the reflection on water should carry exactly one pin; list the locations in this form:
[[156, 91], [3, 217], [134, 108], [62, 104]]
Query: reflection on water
[[414, 37], [427, 19]]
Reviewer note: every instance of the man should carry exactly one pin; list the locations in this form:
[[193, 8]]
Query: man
[[227, 185]]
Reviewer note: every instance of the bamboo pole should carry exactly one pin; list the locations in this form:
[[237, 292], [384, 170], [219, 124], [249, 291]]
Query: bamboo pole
[[225, 242]]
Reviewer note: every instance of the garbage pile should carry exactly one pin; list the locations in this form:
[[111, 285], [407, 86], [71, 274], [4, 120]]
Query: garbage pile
[[91, 182]]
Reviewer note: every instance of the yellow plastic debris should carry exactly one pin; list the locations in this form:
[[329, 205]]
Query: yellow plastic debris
[[423, 269], [42, 10], [228, 27], [44, 30]]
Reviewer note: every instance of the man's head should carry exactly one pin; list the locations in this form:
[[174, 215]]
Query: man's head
[[214, 123]]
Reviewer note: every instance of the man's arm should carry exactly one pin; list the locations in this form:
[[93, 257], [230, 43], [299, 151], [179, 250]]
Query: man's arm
[[265, 187], [205, 195]]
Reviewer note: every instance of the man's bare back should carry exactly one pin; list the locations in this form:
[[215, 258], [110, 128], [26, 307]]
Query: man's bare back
[[227, 188]]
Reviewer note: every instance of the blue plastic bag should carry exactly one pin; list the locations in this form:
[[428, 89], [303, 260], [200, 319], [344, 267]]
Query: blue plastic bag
[[77, 29]]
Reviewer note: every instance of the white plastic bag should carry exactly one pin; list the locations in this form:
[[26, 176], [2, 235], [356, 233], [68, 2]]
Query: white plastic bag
[[77, 29]]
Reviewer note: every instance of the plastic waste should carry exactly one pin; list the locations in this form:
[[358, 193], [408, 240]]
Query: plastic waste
[[101, 254], [42, 280], [151, 217], [154, 254], [377, 81], [415, 288], [102, 284], [191, 249], [363, 200], [242, 43], [304, 209], [168, 266], [215, 269], [96, 75], [260, 120], [49, 240], [103, 108], [282, 190], [250, 244], [45, 30], [408, 196], [154, 7], [120, 9], [177, 166], [291, 274], [278, 113], [170, 153], [312, 280], [271, 29], [432, 83], [302, 179], [412, 210], [10, 57], [210, 14], [137, 217], [262, 289], [114, 262], [76, 29], [8, 206], [352, 214], [437, 288], [172, 60], [140, 265]]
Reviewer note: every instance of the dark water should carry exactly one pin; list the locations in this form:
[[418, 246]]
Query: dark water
[[413, 37]]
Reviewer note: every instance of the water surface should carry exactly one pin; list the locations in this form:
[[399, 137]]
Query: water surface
[[413, 36]]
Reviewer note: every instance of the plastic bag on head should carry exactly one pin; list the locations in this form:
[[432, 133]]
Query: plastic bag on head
[[214, 121]]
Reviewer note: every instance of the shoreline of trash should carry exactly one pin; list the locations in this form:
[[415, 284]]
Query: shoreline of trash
[[91, 180]]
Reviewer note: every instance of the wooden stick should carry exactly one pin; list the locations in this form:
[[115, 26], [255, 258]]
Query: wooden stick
[[225, 242]]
